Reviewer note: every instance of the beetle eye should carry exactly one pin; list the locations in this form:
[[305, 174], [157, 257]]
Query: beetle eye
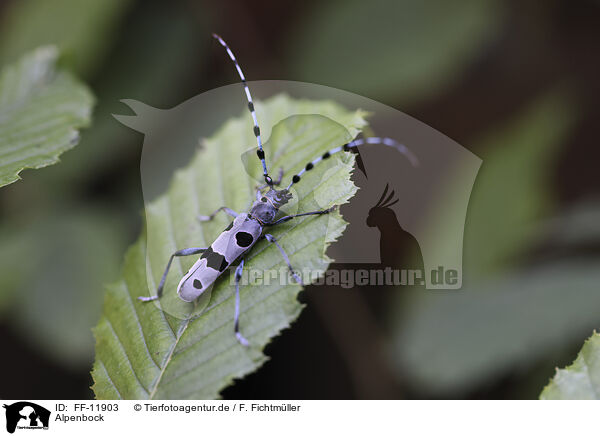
[[264, 199]]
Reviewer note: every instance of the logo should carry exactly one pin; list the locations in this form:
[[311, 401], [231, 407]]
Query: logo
[[405, 222], [26, 415]]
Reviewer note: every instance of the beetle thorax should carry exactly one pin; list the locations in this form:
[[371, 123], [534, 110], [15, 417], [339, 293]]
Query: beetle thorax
[[265, 208]]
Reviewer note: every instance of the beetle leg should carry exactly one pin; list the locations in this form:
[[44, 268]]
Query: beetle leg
[[182, 252], [236, 317], [272, 239], [289, 217]]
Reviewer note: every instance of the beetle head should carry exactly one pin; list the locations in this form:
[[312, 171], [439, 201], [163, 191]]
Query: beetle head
[[278, 198]]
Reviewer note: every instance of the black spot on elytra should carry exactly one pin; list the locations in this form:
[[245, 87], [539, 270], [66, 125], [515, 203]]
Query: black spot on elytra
[[197, 284], [215, 260], [244, 239]]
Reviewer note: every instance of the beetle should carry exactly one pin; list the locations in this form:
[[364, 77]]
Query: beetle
[[248, 228]]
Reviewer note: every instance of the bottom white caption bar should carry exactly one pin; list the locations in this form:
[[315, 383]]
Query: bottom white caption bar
[[296, 417]]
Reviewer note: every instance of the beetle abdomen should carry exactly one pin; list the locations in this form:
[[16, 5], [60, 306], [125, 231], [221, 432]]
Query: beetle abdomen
[[229, 245]]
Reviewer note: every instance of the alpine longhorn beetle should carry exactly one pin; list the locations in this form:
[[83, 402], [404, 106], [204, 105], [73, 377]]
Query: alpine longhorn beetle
[[247, 228]]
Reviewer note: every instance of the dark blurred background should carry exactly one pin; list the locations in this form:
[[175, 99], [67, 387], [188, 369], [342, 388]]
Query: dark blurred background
[[514, 82]]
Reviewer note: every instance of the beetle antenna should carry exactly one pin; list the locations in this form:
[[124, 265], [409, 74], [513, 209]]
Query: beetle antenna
[[346, 147], [260, 152]]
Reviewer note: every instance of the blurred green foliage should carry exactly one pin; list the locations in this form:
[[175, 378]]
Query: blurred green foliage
[[74, 241], [83, 30], [507, 315], [69, 256], [405, 50]]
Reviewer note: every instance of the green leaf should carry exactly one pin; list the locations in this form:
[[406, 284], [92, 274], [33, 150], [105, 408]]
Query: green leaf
[[581, 380], [407, 50], [41, 109], [175, 350]]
